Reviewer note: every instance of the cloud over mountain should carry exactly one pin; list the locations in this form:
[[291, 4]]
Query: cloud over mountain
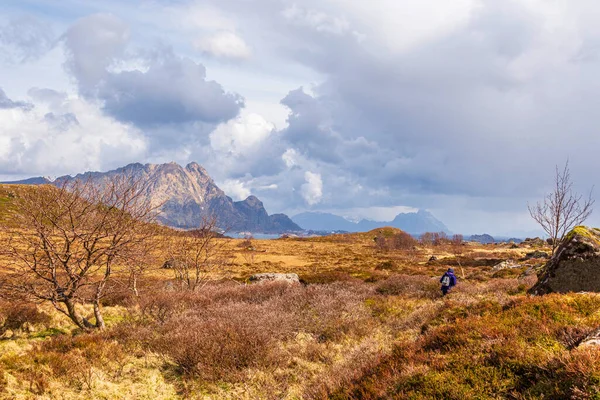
[[460, 107]]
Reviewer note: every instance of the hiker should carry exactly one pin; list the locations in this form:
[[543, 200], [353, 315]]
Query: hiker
[[448, 280]]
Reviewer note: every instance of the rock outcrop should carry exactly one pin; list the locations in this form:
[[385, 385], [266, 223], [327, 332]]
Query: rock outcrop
[[593, 339], [274, 277], [508, 264], [575, 267]]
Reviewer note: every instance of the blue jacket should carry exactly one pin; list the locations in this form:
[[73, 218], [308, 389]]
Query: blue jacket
[[452, 278]]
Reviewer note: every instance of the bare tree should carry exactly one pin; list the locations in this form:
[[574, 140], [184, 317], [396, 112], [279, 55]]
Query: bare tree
[[64, 242], [138, 260], [195, 255], [457, 248], [563, 209]]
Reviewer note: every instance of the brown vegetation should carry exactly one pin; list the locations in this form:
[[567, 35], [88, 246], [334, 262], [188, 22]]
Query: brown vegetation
[[367, 322]]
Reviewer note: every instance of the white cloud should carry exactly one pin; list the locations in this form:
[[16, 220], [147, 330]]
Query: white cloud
[[317, 20], [224, 44], [235, 188], [290, 158], [71, 137], [199, 16], [312, 190], [241, 135], [402, 25]]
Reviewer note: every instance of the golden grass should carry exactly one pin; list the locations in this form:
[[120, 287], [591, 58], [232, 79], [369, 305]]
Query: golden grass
[[368, 324]]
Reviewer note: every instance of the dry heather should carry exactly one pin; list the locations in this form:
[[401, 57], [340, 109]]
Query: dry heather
[[367, 322]]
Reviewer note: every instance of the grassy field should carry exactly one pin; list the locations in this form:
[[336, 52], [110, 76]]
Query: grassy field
[[365, 323]]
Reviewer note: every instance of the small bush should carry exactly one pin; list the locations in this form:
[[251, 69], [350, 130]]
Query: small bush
[[418, 286], [398, 241], [3, 380], [75, 359], [118, 296], [216, 349], [15, 315], [387, 265]]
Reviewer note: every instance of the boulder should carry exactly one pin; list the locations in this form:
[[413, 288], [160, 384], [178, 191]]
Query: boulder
[[506, 265], [432, 258], [536, 254], [592, 339], [575, 266], [274, 277], [171, 263]]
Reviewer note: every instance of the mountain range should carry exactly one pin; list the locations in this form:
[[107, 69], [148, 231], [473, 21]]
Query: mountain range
[[187, 195], [415, 223]]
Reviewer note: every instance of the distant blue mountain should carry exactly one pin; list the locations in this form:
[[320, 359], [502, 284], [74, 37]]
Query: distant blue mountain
[[414, 223]]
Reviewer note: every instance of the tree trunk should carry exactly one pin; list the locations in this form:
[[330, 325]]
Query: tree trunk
[[133, 283], [98, 315], [79, 320]]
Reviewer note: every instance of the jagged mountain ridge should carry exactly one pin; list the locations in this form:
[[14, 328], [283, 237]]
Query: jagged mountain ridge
[[188, 194], [415, 223]]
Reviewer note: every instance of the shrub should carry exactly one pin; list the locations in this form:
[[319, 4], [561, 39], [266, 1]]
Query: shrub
[[15, 315], [387, 265], [220, 332], [418, 286], [74, 359], [118, 296], [398, 241], [216, 348], [328, 277], [3, 380], [434, 239]]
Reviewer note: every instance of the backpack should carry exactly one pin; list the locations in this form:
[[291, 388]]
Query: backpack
[[446, 280]]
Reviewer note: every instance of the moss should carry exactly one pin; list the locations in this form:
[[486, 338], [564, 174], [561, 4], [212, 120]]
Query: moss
[[48, 333], [583, 231]]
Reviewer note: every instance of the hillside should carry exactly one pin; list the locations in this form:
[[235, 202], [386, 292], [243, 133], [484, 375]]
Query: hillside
[[187, 195], [7, 194]]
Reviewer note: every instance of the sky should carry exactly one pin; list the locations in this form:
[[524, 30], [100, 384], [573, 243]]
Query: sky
[[362, 108]]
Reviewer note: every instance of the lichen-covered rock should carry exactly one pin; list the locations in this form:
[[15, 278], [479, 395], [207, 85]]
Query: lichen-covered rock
[[508, 264], [575, 267], [592, 339], [274, 277]]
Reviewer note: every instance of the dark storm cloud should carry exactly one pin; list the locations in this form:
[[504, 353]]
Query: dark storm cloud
[[475, 114], [458, 115], [309, 129], [171, 90]]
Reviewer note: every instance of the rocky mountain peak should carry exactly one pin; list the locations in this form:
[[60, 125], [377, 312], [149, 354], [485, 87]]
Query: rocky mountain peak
[[187, 195], [253, 202], [194, 167]]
